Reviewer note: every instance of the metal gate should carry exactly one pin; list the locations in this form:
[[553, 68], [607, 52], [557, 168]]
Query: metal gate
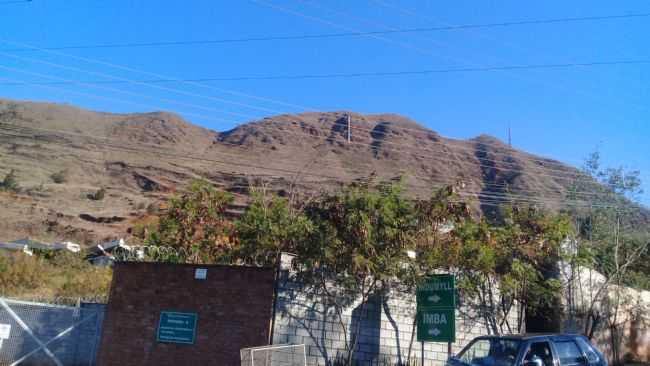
[[278, 355], [44, 334]]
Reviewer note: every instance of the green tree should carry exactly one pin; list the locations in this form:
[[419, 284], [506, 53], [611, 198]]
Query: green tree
[[195, 226], [610, 241], [504, 268], [268, 227], [357, 248]]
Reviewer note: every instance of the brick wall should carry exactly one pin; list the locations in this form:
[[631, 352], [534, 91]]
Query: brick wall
[[233, 305], [386, 326]]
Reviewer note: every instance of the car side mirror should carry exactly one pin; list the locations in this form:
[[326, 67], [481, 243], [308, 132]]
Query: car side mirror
[[536, 361]]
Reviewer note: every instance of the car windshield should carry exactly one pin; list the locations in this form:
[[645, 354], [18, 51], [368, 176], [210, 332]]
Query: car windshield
[[491, 352]]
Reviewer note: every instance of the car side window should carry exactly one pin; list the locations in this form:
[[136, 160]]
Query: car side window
[[592, 356], [569, 354], [540, 350]]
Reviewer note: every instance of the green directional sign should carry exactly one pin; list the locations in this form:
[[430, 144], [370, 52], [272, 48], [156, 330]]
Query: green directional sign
[[176, 327], [436, 309], [438, 291], [436, 325]]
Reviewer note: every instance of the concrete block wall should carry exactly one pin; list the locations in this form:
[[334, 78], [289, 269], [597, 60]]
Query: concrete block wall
[[386, 332]]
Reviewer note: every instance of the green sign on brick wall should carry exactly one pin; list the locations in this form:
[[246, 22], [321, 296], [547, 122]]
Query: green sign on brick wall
[[436, 309], [175, 327], [436, 325]]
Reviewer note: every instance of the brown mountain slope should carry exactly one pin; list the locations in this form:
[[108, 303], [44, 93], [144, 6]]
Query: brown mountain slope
[[140, 159]]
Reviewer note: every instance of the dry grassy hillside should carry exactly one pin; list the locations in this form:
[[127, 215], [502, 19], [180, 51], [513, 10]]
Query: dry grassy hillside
[[141, 159]]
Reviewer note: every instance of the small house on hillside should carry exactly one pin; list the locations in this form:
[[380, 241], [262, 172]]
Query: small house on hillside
[[105, 254]]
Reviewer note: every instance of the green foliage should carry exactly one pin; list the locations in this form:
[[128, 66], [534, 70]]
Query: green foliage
[[52, 275], [504, 267], [359, 234], [60, 176], [196, 224], [268, 227], [357, 247], [435, 239], [607, 232], [10, 183]]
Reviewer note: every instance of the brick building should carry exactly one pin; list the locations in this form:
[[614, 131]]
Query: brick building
[[231, 306]]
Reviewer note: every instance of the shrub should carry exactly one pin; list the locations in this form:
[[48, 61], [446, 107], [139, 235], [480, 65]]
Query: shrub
[[98, 196], [60, 176], [52, 274], [9, 183]]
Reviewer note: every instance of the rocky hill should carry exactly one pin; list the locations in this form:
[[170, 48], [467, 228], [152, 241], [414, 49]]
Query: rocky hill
[[141, 159]]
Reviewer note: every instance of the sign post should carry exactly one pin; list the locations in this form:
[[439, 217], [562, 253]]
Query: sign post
[[436, 311]]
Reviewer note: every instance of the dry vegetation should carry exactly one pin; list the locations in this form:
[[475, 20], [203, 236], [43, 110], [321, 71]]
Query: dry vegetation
[[61, 277]]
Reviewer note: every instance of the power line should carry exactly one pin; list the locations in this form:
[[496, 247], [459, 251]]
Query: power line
[[411, 46], [125, 80], [343, 34], [196, 84], [165, 100], [352, 74], [148, 106], [15, 2]]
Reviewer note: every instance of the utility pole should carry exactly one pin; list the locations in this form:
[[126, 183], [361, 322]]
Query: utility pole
[[349, 129], [509, 136]]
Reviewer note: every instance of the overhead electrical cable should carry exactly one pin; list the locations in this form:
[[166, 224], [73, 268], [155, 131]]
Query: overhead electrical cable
[[156, 75], [95, 96], [101, 74], [426, 51], [309, 37], [140, 95], [363, 74]]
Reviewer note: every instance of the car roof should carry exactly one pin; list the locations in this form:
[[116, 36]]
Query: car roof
[[533, 336]]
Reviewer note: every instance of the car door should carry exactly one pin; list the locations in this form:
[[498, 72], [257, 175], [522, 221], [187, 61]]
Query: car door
[[568, 352], [540, 349], [594, 357]]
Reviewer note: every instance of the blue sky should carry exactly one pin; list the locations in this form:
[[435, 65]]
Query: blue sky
[[559, 113]]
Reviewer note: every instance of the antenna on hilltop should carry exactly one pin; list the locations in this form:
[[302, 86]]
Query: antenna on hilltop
[[509, 136]]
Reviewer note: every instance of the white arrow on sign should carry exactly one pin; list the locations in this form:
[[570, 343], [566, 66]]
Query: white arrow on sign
[[434, 298], [434, 332]]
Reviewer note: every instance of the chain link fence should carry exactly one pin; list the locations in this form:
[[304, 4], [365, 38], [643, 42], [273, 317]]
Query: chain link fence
[[280, 355], [46, 334]]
